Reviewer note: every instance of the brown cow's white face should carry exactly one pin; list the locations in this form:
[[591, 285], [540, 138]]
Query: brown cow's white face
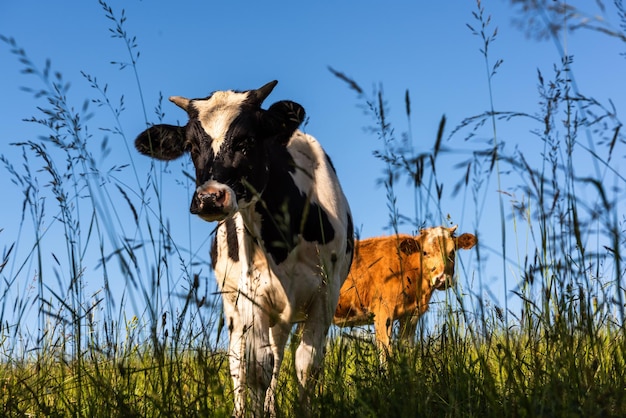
[[436, 249]]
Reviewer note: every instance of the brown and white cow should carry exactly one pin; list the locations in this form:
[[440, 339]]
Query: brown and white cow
[[284, 239], [393, 278]]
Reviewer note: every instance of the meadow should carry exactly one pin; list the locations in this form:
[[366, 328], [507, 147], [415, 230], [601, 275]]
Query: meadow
[[562, 353]]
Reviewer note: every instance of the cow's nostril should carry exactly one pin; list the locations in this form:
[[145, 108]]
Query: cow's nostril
[[213, 201], [216, 199], [220, 197], [208, 196]]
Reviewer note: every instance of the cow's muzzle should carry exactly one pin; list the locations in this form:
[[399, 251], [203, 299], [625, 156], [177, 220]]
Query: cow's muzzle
[[213, 201]]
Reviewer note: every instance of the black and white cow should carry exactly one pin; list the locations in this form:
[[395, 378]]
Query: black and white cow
[[284, 240]]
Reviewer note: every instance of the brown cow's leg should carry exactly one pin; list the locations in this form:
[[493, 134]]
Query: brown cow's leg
[[408, 324], [383, 326]]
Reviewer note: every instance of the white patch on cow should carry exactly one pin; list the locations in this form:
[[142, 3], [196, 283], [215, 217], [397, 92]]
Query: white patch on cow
[[217, 113], [438, 235], [440, 238], [314, 175]]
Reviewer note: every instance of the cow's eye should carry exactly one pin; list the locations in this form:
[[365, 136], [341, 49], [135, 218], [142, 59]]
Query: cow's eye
[[192, 149], [245, 145]]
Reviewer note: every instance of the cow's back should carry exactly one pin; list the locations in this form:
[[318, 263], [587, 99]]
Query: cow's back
[[317, 181], [375, 272], [323, 252]]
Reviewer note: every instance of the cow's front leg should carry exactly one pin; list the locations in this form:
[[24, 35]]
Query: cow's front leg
[[383, 327], [259, 356], [259, 359], [279, 334], [236, 349], [310, 352]]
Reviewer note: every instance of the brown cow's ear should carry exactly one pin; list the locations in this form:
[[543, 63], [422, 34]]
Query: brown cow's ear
[[409, 246], [466, 241], [163, 142]]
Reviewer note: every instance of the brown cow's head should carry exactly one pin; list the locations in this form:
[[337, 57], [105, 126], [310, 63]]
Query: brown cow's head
[[436, 250], [230, 139]]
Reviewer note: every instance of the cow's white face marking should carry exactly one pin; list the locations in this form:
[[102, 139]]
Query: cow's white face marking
[[439, 250], [217, 113], [439, 233]]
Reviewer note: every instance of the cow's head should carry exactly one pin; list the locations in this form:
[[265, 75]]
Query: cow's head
[[435, 250], [229, 138]]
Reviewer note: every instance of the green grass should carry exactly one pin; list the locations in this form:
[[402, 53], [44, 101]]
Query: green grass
[[563, 353], [446, 375]]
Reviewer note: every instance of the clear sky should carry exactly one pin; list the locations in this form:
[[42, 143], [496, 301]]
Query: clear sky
[[192, 48]]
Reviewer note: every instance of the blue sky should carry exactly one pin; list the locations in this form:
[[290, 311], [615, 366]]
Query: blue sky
[[192, 48]]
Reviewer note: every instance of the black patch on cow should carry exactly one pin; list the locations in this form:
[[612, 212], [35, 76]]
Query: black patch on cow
[[199, 146], [287, 212], [241, 162], [350, 238], [232, 243], [350, 234], [231, 239], [330, 162], [214, 252]]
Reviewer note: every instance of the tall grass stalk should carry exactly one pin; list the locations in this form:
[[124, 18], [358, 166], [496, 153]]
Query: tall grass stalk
[[488, 38]]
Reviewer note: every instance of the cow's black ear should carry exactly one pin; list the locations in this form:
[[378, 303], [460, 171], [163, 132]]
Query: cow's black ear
[[409, 246], [283, 118], [163, 142]]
